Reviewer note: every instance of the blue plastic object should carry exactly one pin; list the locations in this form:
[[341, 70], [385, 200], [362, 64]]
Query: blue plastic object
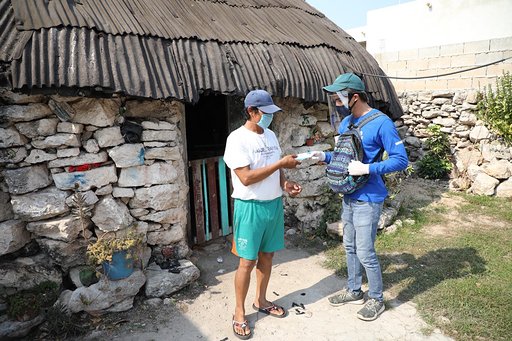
[[120, 267]]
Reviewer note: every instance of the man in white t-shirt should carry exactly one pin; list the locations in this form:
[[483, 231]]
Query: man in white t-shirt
[[254, 157]]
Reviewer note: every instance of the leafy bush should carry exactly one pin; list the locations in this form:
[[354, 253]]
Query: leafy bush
[[495, 108], [26, 305], [436, 163]]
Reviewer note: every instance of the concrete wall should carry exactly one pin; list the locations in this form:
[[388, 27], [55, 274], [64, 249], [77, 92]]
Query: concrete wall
[[425, 38], [441, 59]]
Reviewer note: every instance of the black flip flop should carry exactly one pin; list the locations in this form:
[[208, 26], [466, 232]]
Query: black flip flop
[[267, 310]]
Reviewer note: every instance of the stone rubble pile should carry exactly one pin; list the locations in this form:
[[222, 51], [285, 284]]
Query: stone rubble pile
[[482, 163]]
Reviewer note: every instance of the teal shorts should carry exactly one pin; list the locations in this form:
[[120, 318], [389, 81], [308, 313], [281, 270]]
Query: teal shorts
[[258, 227]]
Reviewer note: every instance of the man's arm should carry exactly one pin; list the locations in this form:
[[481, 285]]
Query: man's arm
[[250, 176]]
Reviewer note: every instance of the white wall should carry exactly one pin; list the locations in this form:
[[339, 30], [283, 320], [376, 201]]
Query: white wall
[[416, 24]]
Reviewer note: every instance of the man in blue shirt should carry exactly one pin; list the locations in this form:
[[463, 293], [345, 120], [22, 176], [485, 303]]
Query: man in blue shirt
[[362, 208]]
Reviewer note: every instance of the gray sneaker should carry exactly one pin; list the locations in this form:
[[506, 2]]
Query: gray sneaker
[[371, 310], [346, 296]]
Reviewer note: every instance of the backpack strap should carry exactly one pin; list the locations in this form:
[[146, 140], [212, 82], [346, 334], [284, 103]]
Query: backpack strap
[[367, 119]]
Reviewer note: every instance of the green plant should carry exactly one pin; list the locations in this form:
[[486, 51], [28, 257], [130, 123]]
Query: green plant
[[104, 247], [60, 324], [436, 163], [495, 108], [80, 209], [27, 304]]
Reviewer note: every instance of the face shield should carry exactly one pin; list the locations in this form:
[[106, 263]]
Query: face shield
[[338, 108]]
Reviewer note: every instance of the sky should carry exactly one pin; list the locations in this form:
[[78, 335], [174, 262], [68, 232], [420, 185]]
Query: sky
[[350, 14]]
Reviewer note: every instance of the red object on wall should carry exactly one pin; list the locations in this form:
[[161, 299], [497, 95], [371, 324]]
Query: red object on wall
[[84, 167]]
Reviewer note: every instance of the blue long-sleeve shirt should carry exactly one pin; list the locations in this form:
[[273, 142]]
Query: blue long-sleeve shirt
[[377, 135]]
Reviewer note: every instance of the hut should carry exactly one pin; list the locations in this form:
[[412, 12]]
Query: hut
[[130, 103]]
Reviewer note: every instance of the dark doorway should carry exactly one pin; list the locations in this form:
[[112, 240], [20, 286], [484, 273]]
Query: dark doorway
[[209, 123], [206, 127]]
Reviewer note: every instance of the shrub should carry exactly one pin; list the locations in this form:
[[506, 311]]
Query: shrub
[[436, 163], [495, 108], [26, 305]]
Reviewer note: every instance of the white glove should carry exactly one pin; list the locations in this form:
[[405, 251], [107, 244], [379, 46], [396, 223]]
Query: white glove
[[318, 156], [358, 168]]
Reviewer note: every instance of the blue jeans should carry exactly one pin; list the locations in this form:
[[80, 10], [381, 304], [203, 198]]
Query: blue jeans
[[360, 220]]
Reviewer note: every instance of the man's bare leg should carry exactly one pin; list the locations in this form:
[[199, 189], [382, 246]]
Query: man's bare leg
[[242, 281], [263, 271]]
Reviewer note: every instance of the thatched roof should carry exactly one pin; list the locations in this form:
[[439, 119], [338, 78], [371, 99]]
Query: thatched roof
[[179, 49]]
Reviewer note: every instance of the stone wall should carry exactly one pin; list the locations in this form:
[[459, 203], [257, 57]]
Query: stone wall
[[482, 162], [51, 144], [293, 127]]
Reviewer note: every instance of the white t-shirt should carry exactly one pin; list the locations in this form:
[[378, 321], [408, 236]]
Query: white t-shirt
[[247, 148]]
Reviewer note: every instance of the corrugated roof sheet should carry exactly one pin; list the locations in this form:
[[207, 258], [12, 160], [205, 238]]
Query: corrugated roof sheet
[[224, 21], [170, 60]]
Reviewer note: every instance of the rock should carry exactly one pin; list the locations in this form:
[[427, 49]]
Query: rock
[[170, 216], [164, 153], [504, 190], [151, 197], [63, 228], [387, 216], [106, 190], [499, 169], [159, 125], [175, 234], [57, 140], [38, 156], [24, 273], [484, 184], [467, 118], [68, 127], [13, 236], [111, 215], [106, 294], [91, 146], [479, 133], [128, 155], [109, 137], [5, 207], [162, 283], [17, 329], [24, 113], [68, 152], [97, 177], [445, 122], [335, 230], [81, 159], [96, 112], [119, 192], [158, 173], [27, 179], [10, 137], [12, 155], [159, 135], [89, 197], [66, 255], [44, 127], [40, 205], [466, 157]]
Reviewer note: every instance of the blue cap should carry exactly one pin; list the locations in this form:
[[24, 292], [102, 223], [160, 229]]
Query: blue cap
[[261, 100], [346, 81]]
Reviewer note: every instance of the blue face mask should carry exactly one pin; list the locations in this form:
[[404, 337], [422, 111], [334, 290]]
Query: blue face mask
[[265, 120]]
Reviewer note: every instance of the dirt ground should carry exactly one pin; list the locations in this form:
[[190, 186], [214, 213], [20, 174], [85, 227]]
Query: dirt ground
[[203, 311]]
